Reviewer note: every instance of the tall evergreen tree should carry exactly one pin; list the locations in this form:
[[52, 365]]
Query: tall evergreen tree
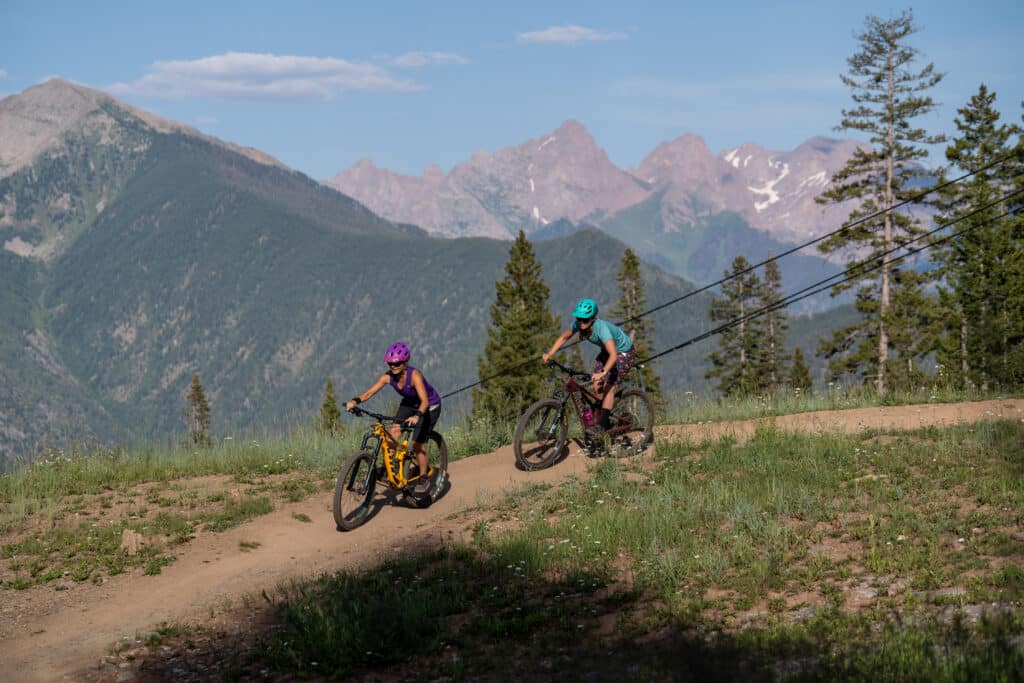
[[328, 420], [733, 363], [914, 322], [521, 328], [198, 415], [772, 356], [632, 302], [980, 268], [799, 373], [888, 94]]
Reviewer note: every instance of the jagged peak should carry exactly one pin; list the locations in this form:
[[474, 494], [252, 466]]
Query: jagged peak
[[433, 173], [573, 128], [35, 118], [671, 152]]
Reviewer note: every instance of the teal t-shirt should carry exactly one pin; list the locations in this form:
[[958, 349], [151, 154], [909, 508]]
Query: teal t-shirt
[[603, 331]]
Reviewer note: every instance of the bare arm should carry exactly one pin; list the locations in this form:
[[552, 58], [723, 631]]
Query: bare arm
[[368, 394], [564, 337]]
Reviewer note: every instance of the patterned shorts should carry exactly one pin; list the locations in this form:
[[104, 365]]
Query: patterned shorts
[[623, 363]]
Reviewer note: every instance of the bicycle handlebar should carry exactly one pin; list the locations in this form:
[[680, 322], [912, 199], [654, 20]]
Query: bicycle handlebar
[[578, 374], [358, 412]]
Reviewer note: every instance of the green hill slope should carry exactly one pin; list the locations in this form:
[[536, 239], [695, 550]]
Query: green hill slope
[[258, 278]]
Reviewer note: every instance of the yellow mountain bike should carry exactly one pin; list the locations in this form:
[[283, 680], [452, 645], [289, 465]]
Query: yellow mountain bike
[[361, 475]]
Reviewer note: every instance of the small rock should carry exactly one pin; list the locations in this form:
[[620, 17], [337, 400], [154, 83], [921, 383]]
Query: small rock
[[131, 541]]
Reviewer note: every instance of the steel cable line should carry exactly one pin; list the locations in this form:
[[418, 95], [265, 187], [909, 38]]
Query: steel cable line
[[1017, 152], [859, 221], [853, 273]]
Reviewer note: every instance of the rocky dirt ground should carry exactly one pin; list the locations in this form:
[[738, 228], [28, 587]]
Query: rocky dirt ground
[[98, 631]]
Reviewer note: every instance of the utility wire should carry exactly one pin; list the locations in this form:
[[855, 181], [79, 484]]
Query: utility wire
[[825, 236], [795, 249], [853, 273]]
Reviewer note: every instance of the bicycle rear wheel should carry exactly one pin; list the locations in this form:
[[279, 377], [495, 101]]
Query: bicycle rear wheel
[[632, 423], [437, 460], [541, 435], [353, 491]]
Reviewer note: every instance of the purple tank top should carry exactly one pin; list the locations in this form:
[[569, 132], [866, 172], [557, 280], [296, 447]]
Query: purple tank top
[[409, 391]]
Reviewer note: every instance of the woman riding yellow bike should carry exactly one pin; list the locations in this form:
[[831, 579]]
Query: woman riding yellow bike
[[613, 361], [420, 406]]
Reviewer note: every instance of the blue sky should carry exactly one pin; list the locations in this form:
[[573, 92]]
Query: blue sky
[[321, 85]]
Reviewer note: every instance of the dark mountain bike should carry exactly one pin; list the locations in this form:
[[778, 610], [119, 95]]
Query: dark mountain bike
[[544, 429], [361, 475]]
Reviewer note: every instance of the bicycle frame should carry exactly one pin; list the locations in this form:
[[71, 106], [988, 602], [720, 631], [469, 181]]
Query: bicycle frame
[[573, 392], [395, 452]]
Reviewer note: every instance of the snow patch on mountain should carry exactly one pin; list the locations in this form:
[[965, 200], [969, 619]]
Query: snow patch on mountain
[[819, 179], [769, 188]]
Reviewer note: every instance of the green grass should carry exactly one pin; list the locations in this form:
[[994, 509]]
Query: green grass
[[689, 408], [746, 560], [236, 512]]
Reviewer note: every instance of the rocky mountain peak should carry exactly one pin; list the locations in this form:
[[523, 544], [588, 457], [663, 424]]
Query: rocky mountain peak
[[433, 174], [686, 160], [37, 119]]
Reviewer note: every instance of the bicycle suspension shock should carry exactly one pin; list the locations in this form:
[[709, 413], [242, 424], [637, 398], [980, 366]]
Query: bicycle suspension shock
[[582, 411]]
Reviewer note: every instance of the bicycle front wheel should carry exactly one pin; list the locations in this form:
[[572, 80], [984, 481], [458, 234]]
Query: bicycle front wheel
[[353, 491], [541, 435], [632, 422]]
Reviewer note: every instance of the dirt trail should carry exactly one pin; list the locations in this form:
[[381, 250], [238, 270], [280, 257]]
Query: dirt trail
[[63, 633]]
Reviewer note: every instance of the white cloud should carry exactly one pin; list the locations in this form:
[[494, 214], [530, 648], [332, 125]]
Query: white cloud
[[246, 75], [3, 73], [567, 35], [418, 59]]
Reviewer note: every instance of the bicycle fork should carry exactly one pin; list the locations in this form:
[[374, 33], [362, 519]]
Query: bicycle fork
[[549, 430]]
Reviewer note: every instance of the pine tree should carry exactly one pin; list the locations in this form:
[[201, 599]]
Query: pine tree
[[198, 415], [980, 267], [772, 357], [799, 373], [888, 95], [633, 302], [914, 322], [734, 362], [328, 420], [522, 327]]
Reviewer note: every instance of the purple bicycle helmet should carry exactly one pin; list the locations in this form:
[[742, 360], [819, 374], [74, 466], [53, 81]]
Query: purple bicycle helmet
[[397, 353]]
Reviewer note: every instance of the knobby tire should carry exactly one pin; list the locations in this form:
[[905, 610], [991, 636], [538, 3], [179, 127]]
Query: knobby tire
[[353, 491], [633, 405], [538, 440], [437, 458]]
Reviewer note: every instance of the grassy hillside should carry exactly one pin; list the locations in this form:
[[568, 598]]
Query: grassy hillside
[[39, 399], [266, 283]]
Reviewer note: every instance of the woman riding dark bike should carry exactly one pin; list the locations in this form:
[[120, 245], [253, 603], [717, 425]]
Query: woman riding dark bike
[[420, 406], [613, 361]]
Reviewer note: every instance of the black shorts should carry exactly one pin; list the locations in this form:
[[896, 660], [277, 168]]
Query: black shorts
[[426, 423]]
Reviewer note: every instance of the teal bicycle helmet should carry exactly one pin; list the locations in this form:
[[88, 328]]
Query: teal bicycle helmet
[[585, 309]]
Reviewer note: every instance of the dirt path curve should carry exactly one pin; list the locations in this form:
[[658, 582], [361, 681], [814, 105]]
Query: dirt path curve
[[65, 633]]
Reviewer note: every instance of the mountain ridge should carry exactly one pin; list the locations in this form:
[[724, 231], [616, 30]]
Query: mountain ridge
[[135, 257]]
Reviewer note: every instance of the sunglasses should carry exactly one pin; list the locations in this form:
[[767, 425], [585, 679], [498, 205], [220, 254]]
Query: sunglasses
[[398, 364], [584, 321]]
